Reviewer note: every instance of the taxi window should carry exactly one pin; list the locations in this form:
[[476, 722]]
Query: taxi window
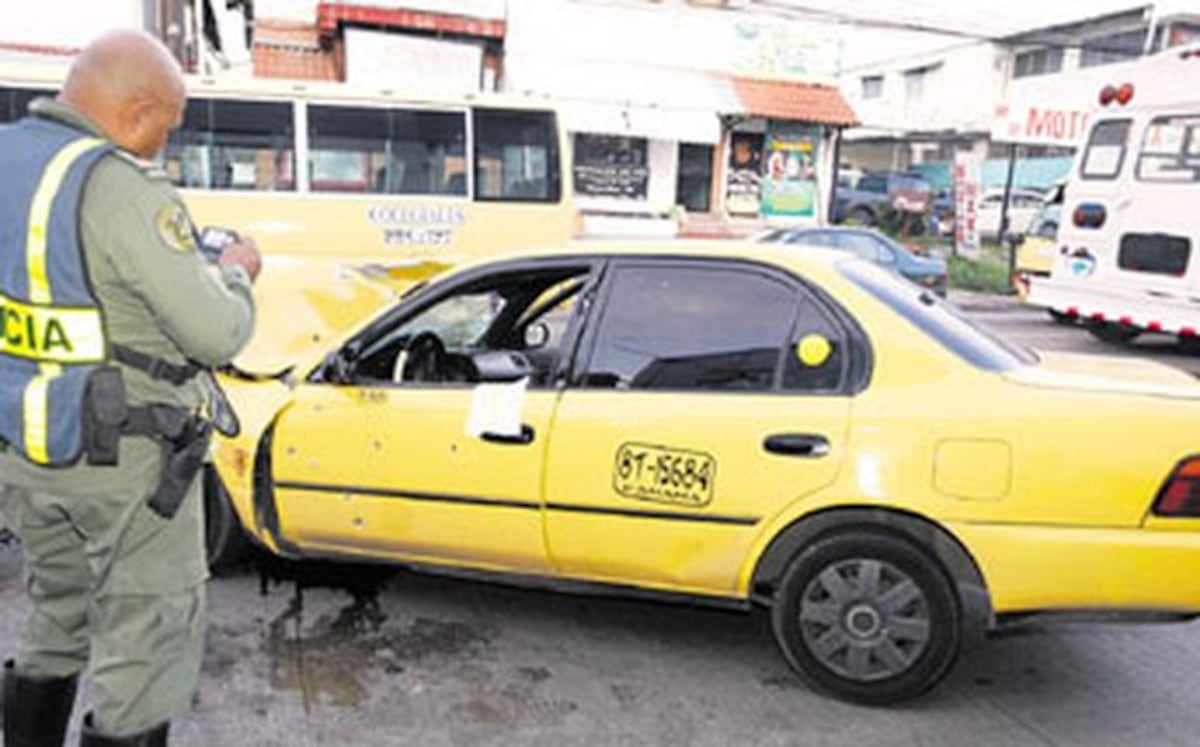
[[691, 328], [938, 319], [1105, 151]]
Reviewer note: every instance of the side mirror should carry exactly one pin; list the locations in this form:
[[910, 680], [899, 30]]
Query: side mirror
[[338, 367], [536, 335], [498, 366]]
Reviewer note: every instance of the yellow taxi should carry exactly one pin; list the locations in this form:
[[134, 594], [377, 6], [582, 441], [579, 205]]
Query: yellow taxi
[[739, 424]]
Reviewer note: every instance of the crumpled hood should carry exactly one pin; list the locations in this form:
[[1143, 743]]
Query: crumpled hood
[[1104, 373], [306, 305]]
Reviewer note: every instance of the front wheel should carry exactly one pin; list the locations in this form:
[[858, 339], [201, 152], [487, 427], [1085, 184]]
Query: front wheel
[[867, 617], [224, 541]]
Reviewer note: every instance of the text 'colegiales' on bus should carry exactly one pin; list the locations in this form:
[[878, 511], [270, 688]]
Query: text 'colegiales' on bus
[[352, 194]]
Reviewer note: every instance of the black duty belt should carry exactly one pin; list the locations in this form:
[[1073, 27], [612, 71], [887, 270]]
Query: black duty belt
[[156, 367]]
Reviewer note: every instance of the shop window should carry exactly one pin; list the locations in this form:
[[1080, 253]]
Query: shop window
[[743, 185], [693, 188], [1038, 62], [226, 144], [611, 166], [516, 156], [1102, 50], [872, 86], [387, 151]]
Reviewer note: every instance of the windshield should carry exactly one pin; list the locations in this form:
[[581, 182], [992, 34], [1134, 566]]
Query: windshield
[[938, 319]]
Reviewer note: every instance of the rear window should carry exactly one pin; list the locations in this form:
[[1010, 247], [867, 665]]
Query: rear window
[[1154, 253], [938, 319], [1105, 150], [1171, 150]]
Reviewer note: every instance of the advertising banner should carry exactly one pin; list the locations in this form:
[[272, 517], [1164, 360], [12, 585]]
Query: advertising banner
[[789, 183], [968, 170]]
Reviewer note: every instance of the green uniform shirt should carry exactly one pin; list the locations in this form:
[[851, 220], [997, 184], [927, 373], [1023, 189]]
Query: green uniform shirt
[[158, 293]]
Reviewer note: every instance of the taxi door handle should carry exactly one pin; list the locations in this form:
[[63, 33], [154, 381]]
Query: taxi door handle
[[797, 444], [519, 439]]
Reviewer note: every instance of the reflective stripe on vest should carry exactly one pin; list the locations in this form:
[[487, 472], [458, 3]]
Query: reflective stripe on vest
[[78, 332]]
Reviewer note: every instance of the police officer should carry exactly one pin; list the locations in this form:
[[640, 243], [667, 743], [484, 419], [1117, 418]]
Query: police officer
[[110, 317]]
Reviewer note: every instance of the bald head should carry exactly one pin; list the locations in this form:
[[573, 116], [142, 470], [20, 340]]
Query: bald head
[[130, 86]]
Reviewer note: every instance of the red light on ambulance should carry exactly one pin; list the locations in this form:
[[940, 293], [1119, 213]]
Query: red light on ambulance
[[1107, 94], [1125, 94]]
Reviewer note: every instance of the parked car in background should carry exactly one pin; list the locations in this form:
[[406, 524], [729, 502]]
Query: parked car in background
[[1023, 206], [875, 193], [1036, 247], [928, 272]]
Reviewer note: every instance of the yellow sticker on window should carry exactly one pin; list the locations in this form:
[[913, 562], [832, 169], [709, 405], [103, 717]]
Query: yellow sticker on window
[[174, 228], [814, 350]]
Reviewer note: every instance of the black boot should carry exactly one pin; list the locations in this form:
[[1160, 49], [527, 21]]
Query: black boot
[[155, 737], [36, 709]]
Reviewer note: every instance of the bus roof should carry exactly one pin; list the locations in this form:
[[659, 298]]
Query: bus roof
[[50, 74]]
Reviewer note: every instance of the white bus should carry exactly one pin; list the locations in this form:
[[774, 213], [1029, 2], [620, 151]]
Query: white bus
[[1126, 261]]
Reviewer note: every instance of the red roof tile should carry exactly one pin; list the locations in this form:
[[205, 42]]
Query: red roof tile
[[807, 102], [296, 52]]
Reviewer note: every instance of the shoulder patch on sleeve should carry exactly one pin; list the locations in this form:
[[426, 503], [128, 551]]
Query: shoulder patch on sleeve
[[175, 228]]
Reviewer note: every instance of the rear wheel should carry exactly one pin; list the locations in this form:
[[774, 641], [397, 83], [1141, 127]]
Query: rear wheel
[[224, 541], [867, 617], [862, 217], [1112, 333]]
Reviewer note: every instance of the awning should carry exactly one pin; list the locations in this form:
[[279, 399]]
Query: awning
[[806, 102]]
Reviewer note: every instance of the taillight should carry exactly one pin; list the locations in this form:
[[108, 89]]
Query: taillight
[[1180, 495], [1089, 215]]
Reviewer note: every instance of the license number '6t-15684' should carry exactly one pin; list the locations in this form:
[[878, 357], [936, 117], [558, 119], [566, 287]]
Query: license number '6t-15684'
[[664, 475]]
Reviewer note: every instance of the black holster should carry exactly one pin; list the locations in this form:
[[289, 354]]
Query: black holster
[[185, 439], [105, 411]]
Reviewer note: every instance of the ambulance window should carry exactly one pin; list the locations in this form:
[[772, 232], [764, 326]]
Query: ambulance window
[[228, 144], [1105, 151], [14, 102], [1171, 150], [387, 151], [516, 156]]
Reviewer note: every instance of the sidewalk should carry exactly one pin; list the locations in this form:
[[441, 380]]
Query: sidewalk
[[976, 301]]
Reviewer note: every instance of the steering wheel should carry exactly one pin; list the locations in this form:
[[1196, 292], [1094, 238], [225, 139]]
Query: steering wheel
[[426, 358]]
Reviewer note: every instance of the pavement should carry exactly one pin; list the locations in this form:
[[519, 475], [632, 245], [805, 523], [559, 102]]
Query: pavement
[[969, 300]]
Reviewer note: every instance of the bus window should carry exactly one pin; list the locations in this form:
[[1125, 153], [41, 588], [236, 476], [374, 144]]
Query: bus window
[[14, 102], [1171, 150], [1105, 150], [516, 156], [226, 144], [387, 151]]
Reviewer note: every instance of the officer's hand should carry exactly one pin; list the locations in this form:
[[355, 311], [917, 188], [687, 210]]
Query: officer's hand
[[243, 252]]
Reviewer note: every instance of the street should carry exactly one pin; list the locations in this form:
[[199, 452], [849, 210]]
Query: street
[[367, 656]]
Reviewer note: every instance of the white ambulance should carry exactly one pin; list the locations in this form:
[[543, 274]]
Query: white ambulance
[[1127, 250]]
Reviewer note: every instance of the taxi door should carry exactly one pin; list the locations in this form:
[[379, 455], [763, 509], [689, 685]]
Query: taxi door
[[708, 396], [401, 459]]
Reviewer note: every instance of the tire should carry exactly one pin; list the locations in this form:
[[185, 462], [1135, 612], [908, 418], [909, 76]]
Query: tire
[[868, 641], [224, 541], [1112, 333], [1060, 317], [862, 217]]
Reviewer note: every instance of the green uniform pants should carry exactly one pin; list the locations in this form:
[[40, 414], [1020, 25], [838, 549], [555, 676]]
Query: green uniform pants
[[111, 584]]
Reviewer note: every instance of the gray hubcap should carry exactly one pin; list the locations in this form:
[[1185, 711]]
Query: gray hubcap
[[864, 619]]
